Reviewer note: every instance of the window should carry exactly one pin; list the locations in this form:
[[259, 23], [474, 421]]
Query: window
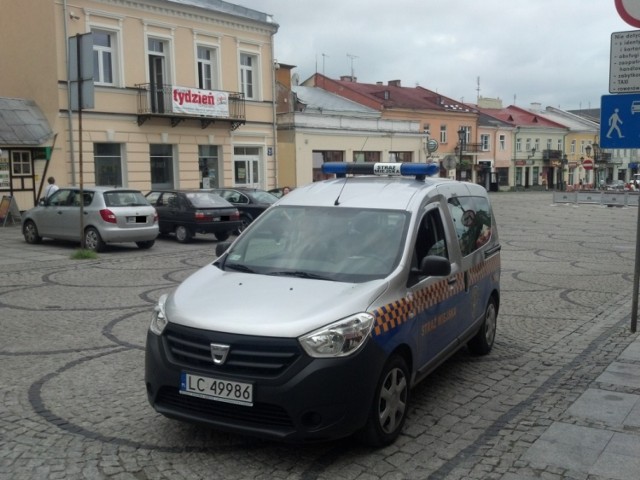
[[159, 74], [527, 145], [246, 165], [431, 239], [161, 158], [518, 145], [360, 157], [560, 146], [209, 166], [503, 176], [104, 57], [400, 156], [443, 134], [472, 220], [573, 146], [207, 68], [107, 160], [536, 144], [484, 141], [21, 162], [249, 75], [319, 157], [502, 142], [536, 175], [582, 145], [549, 144]]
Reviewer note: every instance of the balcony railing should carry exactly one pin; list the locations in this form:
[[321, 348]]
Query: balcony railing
[[161, 101], [550, 155]]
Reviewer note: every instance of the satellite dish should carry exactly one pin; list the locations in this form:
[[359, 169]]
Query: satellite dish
[[450, 162], [295, 79]]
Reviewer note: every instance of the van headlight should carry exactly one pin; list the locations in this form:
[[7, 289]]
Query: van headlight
[[158, 317], [339, 339]]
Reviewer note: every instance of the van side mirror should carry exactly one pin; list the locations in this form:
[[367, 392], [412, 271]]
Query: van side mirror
[[221, 247], [433, 265]]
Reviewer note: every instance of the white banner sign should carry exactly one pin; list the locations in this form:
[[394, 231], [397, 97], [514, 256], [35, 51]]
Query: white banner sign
[[193, 101]]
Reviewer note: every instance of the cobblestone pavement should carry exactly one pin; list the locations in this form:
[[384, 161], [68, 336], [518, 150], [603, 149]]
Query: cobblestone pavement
[[73, 402]]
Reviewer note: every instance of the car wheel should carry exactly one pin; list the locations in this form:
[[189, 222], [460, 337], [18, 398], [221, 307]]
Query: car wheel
[[93, 240], [245, 223], [222, 236], [146, 244], [482, 342], [183, 234], [390, 405], [30, 232]]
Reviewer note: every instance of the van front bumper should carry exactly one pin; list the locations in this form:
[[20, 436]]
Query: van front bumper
[[309, 400]]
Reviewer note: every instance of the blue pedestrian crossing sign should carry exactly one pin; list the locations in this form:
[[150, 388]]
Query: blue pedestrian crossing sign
[[620, 121]]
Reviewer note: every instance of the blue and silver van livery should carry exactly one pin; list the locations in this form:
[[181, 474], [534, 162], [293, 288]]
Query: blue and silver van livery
[[317, 321]]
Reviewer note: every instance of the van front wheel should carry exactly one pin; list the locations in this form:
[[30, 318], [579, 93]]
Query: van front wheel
[[390, 404], [482, 342]]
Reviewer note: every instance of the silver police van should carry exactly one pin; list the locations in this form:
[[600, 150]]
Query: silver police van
[[317, 321]]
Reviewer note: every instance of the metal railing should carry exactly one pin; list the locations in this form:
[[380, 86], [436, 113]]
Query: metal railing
[[156, 101]]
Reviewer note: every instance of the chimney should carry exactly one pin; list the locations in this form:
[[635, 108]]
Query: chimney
[[348, 78], [394, 83], [378, 83], [536, 107]]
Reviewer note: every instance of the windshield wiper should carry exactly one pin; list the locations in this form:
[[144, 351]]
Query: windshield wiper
[[238, 267], [299, 274]]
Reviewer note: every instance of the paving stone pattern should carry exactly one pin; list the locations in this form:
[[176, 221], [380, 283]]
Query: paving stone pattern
[[558, 398]]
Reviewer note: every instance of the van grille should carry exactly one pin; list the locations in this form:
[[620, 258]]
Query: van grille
[[259, 414], [264, 357]]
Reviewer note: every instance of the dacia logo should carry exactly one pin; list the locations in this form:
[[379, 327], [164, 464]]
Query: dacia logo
[[219, 352]]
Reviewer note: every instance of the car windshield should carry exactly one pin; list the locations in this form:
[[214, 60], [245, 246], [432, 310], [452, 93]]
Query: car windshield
[[264, 197], [124, 198], [331, 243], [206, 200]]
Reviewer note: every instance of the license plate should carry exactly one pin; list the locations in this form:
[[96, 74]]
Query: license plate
[[228, 391], [216, 219]]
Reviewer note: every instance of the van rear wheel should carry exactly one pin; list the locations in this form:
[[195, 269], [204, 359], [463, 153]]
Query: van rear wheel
[[390, 405], [482, 342]]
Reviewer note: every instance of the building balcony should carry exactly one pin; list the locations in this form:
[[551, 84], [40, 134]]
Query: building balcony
[[551, 155], [470, 148], [184, 103]]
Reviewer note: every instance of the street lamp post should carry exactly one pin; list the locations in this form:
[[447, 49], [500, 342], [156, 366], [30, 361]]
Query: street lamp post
[[462, 138], [596, 153]]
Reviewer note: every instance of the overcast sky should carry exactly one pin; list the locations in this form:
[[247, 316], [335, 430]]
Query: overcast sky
[[555, 52]]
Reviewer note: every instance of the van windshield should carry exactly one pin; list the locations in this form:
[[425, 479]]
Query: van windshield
[[331, 243]]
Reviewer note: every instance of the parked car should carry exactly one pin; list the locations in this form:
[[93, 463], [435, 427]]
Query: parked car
[[187, 212], [251, 202], [358, 289], [617, 185], [110, 215]]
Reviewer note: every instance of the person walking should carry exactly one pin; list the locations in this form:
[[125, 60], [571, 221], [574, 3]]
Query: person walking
[[51, 188]]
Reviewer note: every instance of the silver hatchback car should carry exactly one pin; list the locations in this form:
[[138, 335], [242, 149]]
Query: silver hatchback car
[[110, 215]]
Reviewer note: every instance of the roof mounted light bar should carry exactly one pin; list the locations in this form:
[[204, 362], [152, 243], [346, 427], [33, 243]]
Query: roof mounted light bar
[[419, 170]]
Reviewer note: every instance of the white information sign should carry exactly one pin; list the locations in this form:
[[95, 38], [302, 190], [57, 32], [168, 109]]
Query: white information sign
[[624, 70]]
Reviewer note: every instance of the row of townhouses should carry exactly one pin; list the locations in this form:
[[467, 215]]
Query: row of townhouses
[[155, 94]]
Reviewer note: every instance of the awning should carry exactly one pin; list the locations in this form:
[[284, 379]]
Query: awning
[[22, 123]]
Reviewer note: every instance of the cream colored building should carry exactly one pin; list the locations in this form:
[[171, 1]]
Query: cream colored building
[[183, 94]]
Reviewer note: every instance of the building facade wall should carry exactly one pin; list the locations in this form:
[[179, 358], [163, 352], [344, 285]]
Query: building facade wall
[[115, 117]]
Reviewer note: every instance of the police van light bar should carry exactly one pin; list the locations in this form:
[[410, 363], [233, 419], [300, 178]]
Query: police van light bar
[[420, 170]]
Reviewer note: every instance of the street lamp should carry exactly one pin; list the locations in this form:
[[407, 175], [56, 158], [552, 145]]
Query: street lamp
[[596, 153], [462, 138]]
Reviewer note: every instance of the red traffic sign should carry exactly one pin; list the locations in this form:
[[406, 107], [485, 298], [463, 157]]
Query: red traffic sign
[[629, 10], [587, 163]]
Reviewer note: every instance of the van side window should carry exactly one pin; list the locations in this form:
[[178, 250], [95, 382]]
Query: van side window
[[430, 239], [472, 220]]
